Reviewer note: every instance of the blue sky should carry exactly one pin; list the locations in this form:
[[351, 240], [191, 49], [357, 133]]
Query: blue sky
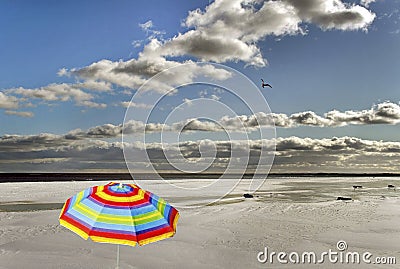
[[314, 64], [41, 38]]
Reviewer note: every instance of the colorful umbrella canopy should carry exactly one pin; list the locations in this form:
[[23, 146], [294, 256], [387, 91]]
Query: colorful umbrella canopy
[[119, 214]]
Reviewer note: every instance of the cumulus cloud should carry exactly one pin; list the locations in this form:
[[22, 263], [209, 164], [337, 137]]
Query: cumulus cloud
[[383, 113], [50, 152], [8, 102], [83, 150], [212, 48], [294, 154], [308, 118], [227, 30], [112, 131], [52, 92], [338, 154], [94, 85], [134, 73], [63, 92], [148, 28], [333, 14], [194, 125], [106, 130]]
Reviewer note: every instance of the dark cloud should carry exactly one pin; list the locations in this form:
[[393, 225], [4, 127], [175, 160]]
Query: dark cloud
[[45, 152]]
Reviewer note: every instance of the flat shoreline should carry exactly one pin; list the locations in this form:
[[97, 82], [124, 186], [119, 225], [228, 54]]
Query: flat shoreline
[[50, 177]]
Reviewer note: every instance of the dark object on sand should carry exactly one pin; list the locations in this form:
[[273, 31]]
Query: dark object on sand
[[357, 187], [248, 195], [390, 186], [344, 198]]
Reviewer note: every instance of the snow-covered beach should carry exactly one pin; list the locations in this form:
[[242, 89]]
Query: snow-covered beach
[[286, 215]]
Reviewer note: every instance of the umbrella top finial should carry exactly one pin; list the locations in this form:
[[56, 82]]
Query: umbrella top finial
[[120, 185]]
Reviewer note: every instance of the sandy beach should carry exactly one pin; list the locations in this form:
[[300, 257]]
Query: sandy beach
[[288, 214]]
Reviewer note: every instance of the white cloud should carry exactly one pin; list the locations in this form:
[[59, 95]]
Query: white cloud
[[333, 14], [62, 72], [135, 72], [136, 105], [64, 92], [366, 2], [25, 114], [382, 113], [146, 26], [8, 102], [53, 92], [91, 104], [193, 125], [309, 118], [100, 86], [220, 48], [227, 30], [106, 130]]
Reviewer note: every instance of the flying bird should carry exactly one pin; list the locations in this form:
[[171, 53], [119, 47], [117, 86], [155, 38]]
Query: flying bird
[[265, 84]]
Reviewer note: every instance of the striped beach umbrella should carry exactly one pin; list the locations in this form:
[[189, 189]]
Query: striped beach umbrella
[[119, 213]]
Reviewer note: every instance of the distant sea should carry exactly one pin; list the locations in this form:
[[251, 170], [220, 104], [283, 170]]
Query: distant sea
[[51, 177]]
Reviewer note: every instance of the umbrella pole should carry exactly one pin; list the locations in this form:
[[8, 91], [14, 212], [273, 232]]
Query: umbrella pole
[[117, 257]]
